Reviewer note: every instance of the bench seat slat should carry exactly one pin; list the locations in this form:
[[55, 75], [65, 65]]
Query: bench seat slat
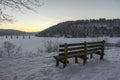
[[72, 48], [90, 46], [94, 49], [73, 44], [69, 56], [95, 42]]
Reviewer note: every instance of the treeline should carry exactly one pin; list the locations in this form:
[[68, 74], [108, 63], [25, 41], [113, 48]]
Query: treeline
[[10, 32], [84, 28]]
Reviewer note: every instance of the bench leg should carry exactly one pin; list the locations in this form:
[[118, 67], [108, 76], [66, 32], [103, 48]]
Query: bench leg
[[84, 61], [65, 63], [101, 56], [57, 62], [91, 56], [76, 59]]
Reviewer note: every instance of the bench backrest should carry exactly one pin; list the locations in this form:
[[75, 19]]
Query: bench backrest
[[66, 49], [94, 46]]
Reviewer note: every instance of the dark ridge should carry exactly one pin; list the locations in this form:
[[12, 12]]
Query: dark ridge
[[84, 28], [14, 32]]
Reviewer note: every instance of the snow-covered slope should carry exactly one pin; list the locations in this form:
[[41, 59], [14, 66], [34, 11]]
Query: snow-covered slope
[[42, 67]]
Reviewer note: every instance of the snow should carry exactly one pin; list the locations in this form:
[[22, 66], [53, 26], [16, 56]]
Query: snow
[[42, 67]]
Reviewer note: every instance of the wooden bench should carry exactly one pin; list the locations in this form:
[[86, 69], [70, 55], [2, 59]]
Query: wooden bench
[[79, 50]]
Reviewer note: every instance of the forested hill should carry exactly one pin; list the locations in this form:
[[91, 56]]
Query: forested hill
[[10, 32], [84, 28]]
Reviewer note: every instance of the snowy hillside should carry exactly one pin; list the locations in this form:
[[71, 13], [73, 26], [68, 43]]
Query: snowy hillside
[[35, 63]]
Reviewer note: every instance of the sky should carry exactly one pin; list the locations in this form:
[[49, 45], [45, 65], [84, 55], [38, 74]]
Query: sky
[[53, 12]]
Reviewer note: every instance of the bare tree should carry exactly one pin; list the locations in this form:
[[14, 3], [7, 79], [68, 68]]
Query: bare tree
[[16, 5]]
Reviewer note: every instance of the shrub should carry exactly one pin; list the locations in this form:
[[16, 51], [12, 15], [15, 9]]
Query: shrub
[[1, 53], [51, 46], [8, 48]]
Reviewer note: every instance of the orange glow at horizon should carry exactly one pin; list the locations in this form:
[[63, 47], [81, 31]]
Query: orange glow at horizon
[[28, 26], [25, 29]]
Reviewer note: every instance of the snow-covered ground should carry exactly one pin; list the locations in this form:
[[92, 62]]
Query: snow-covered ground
[[42, 67]]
